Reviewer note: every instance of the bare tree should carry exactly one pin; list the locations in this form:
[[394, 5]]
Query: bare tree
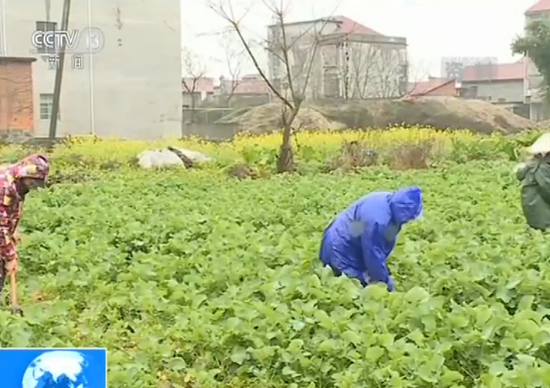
[[193, 73], [294, 56], [416, 75], [373, 70], [234, 61], [358, 70], [392, 78]]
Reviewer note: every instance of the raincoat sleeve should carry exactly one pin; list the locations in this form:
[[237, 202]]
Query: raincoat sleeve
[[374, 256], [7, 245]]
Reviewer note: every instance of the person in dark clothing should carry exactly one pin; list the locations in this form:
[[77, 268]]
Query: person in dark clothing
[[535, 184]]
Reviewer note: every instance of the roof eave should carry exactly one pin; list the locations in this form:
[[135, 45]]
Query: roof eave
[[493, 80], [324, 20], [439, 86], [18, 59], [536, 12]]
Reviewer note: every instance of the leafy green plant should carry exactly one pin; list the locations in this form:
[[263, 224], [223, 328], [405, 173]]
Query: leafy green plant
[[199, 280]]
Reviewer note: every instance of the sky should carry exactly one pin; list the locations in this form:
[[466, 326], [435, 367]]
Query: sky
[[434, 28]]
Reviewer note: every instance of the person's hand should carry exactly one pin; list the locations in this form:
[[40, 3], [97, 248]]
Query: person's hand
[[12, 266], [519, 166]]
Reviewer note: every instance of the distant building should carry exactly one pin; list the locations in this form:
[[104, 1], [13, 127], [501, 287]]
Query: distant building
[[352, 61], [454, 67], [500, 84], [250, 90], [533, 79], [196, 90], [130, 89], [16, 98]]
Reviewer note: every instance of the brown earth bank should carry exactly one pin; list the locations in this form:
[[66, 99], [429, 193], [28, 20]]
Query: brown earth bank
[[438, 112]]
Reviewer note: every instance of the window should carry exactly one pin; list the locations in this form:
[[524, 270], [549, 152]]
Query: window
[[46, 107], [46, 26]]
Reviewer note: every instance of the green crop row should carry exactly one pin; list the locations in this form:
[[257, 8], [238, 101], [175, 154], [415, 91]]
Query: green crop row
[[191, 278]]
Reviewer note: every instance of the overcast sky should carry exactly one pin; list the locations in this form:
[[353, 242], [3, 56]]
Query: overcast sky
[[433, 28]]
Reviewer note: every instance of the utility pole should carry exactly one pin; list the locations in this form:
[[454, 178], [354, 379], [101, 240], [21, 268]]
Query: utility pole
[[59, 73]]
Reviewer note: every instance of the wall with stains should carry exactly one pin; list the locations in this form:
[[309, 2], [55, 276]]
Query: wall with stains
[[16, 99], [131, 89]]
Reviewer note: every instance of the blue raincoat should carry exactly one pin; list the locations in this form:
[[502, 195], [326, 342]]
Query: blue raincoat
[[359, 240]]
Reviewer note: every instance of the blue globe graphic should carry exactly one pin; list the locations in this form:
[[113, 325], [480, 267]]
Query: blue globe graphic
[[57, 369]]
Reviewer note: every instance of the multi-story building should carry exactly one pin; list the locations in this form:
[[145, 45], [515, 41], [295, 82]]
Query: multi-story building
[[130, 89], [338, 57], [501, 84], [538, 108]]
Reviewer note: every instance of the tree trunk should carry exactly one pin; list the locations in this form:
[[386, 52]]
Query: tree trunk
[[285, 163], [193, 105]]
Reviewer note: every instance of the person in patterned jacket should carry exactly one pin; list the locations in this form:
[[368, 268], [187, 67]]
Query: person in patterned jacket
[[15, 183]]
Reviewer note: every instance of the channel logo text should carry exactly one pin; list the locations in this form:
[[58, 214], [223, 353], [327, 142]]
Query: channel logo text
[[85, 41]]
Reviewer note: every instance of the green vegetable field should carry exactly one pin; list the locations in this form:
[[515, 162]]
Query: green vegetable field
[[193, 279]]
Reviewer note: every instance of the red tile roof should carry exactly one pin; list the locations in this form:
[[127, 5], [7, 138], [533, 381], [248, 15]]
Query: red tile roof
[[496, 72], [541, 6], [423, 88], [204, 84], [247, 85], [349, 26]]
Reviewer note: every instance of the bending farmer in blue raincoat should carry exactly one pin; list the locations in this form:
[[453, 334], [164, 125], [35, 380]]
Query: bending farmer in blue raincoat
[[360, 240]]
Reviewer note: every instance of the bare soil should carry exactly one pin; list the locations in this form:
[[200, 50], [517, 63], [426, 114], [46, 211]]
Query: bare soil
[[438, 112]]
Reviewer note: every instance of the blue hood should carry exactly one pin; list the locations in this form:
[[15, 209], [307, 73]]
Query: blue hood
[[406, 205]]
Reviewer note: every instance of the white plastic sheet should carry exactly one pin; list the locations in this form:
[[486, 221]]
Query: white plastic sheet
[[165, 158], [195, 156]]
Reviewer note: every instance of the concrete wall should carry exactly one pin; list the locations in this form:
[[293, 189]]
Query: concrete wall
[[210, 131], [495, 91], [131, 89]]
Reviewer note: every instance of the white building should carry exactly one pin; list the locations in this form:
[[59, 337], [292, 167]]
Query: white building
[[338, 57], [131, 89]]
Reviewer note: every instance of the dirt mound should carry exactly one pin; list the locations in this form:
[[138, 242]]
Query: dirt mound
[[438, 112], [267, 118]]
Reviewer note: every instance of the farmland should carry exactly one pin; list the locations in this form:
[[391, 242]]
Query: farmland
[[203, 280]]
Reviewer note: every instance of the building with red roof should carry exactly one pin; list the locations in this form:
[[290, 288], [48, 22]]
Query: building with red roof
[[350, 59], [543, 6], [433, 87], [499, 83], [195, 90]]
